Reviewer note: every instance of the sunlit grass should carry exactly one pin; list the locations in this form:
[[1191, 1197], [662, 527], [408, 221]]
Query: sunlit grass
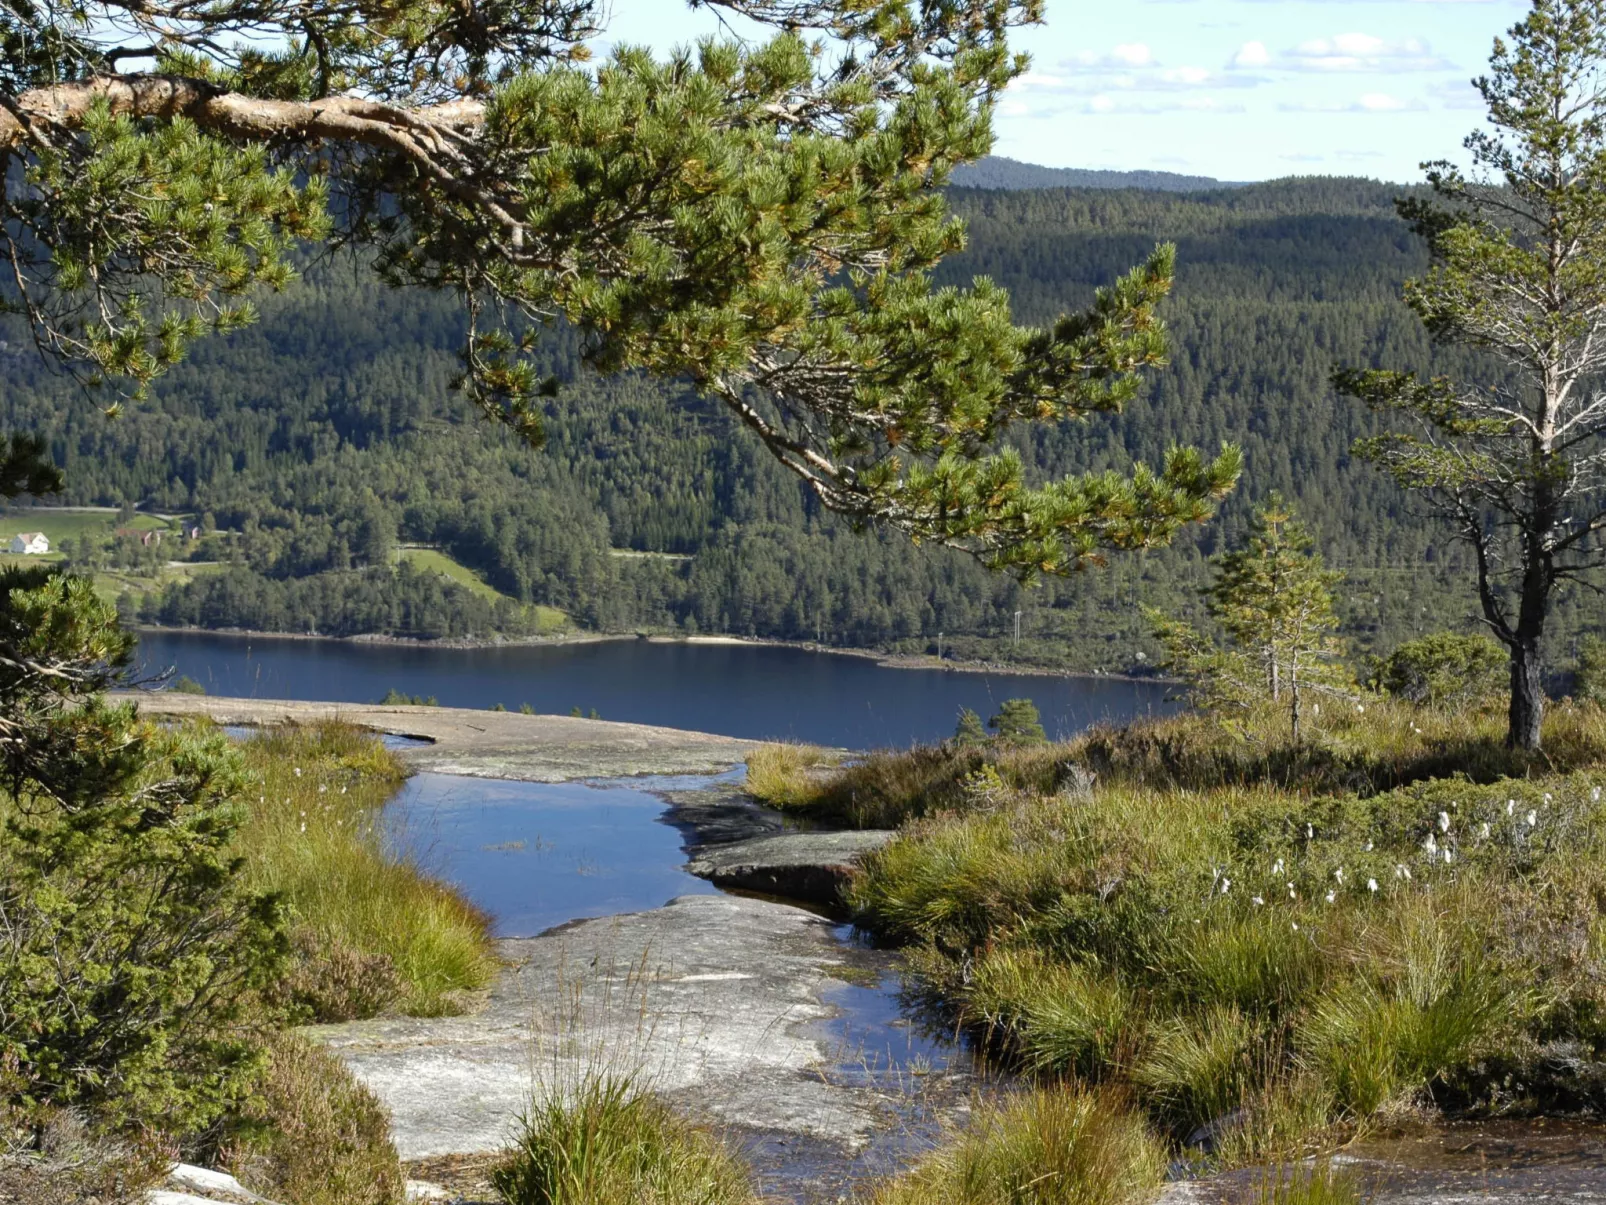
[[786, 775], [1053, 1146], [609, 1142], [364, 917], [1261, 968]]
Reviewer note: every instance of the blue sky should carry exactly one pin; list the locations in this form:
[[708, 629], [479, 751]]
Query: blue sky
[[1236, 89]]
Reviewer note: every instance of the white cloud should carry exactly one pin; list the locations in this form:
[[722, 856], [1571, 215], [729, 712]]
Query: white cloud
[[1104, 104], [1367, 102], [1129, 67], [1345, 52], [1252, 55]]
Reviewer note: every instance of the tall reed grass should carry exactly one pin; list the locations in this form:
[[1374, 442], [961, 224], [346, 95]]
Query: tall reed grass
[[372, 930]]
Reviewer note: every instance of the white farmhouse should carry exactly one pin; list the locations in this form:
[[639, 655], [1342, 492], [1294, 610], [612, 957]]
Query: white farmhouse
[[30, 543]]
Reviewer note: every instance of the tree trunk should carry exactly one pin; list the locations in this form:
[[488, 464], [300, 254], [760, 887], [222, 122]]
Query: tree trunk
[[1527, 697]]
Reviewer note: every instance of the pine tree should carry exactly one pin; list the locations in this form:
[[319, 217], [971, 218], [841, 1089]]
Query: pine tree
[[759, 218], [969, 731], [1272, 597], [1018, 723], [1515, 459]]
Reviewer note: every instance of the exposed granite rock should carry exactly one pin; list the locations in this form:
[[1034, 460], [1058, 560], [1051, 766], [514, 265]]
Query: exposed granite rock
[[189, 1185], [809, 866], [491, 744], [714, 1001], [1489, 1162]]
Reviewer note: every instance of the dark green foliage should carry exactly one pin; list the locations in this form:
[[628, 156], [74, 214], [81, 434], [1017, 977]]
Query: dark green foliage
[[397, 698], [313, 1134], [132, 960], [1446, 669], [1591, 673], [969, 730], [339, 399], [759, 217], [185, 685], [997, 172], [1017, 723]]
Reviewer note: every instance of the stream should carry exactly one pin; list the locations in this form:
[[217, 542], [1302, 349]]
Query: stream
[[538, 856]]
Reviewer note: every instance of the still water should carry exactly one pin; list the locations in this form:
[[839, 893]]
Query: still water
[[734, 690], [533, 855]]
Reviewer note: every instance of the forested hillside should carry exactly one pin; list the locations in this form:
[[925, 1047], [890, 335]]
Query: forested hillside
[[317, 440]]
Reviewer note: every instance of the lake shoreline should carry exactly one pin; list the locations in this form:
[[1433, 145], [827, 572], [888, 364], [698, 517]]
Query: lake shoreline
[[882, 659]]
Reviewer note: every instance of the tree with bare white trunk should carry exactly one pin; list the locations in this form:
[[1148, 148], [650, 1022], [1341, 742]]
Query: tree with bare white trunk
[[1515, 458]]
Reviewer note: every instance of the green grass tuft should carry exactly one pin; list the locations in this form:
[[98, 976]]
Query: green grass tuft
[[606, 1142], [1052, 1146], [786, 775]]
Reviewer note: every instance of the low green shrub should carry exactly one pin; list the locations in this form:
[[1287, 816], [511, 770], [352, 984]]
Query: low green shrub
[[313, 1135], [607, 1142], [1056, 1016], [1052, 1146], [1446, 669]]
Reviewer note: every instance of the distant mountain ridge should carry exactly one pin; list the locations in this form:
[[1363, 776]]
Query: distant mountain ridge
[[997, 172]]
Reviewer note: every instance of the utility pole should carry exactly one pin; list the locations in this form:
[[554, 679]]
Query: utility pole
[[939, 646], [1017, 629]]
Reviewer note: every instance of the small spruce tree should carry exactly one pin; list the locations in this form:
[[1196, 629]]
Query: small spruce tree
[[1017, 723], [1273, 599], [970, 731]]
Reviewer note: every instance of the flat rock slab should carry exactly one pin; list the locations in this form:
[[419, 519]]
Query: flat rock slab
[[714, 1001], [809, 866], [1501, 1162], [490, 744]]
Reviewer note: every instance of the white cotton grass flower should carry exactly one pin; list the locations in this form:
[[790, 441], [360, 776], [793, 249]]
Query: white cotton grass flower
[[1431, 845], [1511, 806], [298, 771], [1277, 867], [1359, 710], [1331, 896], [1292, 894], [1446, 857], [1296, 926], [1594, 794], [1483, 831], [1533, 818], [1310, 832], [1371, 884], [1444, 822], [1256, 900], [1226, 886], [1369, 847], [1339, 875]]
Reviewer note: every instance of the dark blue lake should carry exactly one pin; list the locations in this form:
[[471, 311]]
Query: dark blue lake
[[733, 689]]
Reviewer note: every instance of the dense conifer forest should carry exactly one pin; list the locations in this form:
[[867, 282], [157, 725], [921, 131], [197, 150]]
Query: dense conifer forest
[[319, 438]]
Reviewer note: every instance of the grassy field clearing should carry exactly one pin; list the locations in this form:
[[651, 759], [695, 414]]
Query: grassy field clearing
[[59, 524], [432, 560]]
